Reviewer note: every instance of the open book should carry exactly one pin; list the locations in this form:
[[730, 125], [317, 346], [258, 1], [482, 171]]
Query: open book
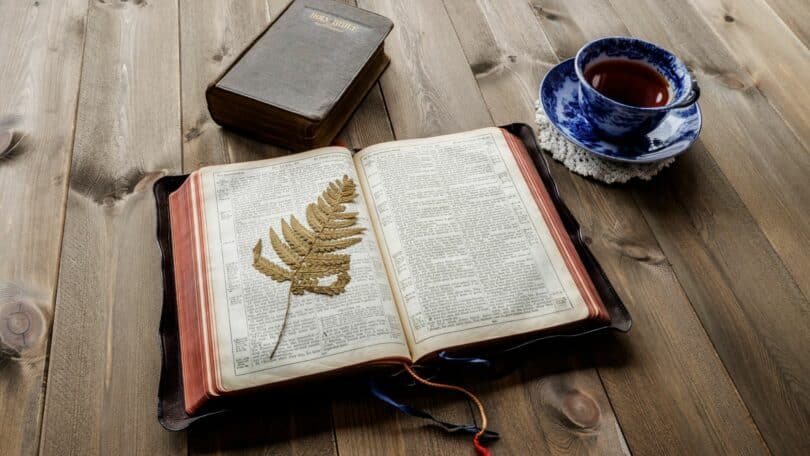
[[462, 246]]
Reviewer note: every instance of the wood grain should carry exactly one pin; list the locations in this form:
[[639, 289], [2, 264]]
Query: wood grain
[[105, 360], [731, 274], [427, 86], [777, 62], [41, 48], [741, 291], [770, 368], [212, 35], [796, 15], [642, 372], [368, 125], [567, 26], [757, 152], [300, 424], [571, 408]]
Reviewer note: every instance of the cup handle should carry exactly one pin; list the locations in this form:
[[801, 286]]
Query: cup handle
[[691, 99]]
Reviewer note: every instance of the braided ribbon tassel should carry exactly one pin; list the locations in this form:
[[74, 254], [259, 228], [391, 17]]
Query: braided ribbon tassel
[[480, 449]]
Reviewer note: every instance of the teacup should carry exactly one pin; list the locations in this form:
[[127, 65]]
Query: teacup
[[616, 119]]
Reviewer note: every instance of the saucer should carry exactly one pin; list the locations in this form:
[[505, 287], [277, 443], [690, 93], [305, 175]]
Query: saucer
[[558, 95]]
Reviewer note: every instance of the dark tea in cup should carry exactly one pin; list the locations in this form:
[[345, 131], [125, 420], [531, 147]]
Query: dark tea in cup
[[627, 85], [629, 82]]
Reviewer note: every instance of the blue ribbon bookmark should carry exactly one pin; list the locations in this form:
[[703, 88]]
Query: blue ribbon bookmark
[[473, 361]]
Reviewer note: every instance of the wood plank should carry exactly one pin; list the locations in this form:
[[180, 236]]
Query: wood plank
[[105, 359], [796, 15], [364, 425], [775, 361], [212, 35], [431, 63], [558, 22], [728, 269], [41, 55], [296, 425], [368, 125], [427, 87], [758, 153], [777, 62], [569, 401], [554, 404], [741, 291], [670, 394]]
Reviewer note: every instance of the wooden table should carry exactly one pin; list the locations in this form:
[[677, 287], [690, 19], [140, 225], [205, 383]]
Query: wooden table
[[712, 257]]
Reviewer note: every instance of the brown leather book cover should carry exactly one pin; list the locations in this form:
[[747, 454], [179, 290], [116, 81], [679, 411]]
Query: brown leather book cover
[[299, 82]]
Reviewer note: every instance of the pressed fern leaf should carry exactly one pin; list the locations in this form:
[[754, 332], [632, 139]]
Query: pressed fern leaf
[[306, 251]]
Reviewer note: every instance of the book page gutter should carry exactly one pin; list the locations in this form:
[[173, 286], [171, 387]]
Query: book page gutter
[[471, 255], [323, 333]]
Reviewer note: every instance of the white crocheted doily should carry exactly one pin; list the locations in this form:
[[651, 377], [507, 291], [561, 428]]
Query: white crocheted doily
[[587, 164]]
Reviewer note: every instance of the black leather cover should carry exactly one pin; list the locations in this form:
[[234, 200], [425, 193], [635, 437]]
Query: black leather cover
[[299, 81], [171, 412]]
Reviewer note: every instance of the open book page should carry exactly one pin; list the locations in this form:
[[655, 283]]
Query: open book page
[[464, 241], [242, 201]]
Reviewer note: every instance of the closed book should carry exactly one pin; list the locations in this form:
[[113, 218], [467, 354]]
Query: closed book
[[299, 82]]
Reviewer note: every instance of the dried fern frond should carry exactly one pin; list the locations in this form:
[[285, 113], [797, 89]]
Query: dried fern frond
[[306, 251]]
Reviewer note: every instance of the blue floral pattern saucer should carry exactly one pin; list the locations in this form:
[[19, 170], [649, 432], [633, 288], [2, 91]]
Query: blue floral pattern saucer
[[558, 95]]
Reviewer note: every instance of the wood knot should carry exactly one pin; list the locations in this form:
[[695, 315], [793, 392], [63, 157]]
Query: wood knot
[[12, 144], [6, 137], [108, 189], [484, 68], [580, 409], [542, 13], [731, 81], [198, 128], [635, 252], [123, 3], [192, 133], [223, 51], [728, 18], [22, 327], [148, 179], [640, 253]]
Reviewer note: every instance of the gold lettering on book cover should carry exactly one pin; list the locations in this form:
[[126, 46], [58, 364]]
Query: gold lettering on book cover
[[307, 252]]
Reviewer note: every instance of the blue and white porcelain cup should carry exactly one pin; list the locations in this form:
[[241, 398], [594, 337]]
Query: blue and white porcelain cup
[[617, 120]]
